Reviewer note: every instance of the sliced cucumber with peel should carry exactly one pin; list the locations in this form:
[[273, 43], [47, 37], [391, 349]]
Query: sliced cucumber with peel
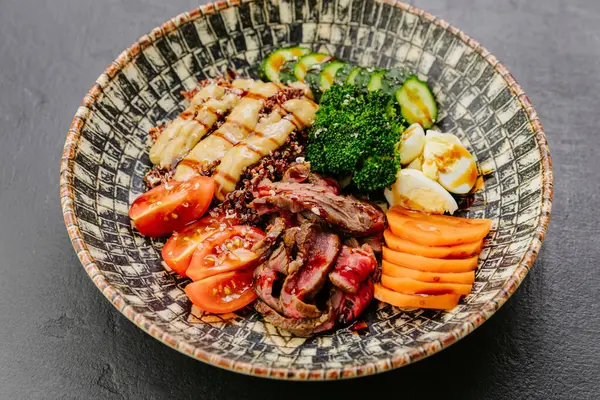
[[305, 63], [417, 103], [342, 74], [320, 71], [270, 67], [393, 80], [328, 74], [363, 78], [351, 79], [376, 80], [286, 73], [313, 80]]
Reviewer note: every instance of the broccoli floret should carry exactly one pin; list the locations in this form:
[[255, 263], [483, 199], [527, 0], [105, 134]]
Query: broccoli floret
[[376, 173], [356, 133]]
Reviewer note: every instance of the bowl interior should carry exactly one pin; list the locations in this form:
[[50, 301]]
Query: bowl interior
[[106, 158]]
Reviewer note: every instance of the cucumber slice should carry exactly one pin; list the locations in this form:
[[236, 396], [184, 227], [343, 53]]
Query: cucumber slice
[[342, 74], [307, 61], [328, 74], [393, 80], [270, 67], [286, 73], [363, 77], [375, 82], [313, 80], [417, 104], [351, 79]]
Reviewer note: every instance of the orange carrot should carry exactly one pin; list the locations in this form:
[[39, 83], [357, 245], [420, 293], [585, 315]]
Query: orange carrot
[[441, 302], [429, 264], [458, 251], [436, 230], [397, 271], [412, 286], [444, 219]]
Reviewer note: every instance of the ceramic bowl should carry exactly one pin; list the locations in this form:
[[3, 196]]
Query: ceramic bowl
[[106, 156]]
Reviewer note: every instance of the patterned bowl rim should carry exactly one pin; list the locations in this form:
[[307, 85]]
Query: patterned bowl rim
[[67, 196]]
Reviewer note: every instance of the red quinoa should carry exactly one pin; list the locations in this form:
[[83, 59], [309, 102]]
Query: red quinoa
[[272, 167], [155, 132], [279, 98], [157, 176], [222, 80]]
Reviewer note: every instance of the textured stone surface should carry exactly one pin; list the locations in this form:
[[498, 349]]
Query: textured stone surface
[[60, 339]]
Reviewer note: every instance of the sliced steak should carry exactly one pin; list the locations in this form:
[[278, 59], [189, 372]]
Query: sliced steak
[[264, 286], [352, 305], [294, 307], [347, 213], [300, 173], [297, 173], [302, 285], [307, 216], [321, 258], [305, 237], [374, 241], [298, 326], [264, 247], [289, 237], [330, 184], [351, 242], [279, 260], [352, 267], [329, 319]]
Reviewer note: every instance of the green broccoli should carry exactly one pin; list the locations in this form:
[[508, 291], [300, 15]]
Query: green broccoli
[[356, 134]]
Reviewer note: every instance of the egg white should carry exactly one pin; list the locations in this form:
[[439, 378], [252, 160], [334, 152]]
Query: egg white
[[414, 190], [446, 160], [412, 143], [417, 163]]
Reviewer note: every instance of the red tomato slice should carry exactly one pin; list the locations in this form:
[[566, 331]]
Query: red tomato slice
[[178, 250], [223, 293], [225, 250], [171, 206]]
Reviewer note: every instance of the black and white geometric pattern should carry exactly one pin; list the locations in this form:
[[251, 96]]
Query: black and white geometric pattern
[[106, 157]]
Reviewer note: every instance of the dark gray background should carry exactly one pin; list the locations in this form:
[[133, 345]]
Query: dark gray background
[[59, 338]]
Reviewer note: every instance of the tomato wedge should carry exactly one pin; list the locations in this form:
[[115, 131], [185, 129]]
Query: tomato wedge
[[223, 293], [180, 247], [171, 206], [225, 250]]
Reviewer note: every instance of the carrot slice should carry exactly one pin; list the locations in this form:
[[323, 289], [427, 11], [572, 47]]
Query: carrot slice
[[397, 271], [436, 230], [441, 302], [443, 219], [412, 286], [429, 264], [406, 246]]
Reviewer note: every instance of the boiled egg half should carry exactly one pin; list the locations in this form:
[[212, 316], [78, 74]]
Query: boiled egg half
[[411, 144], [446, 160], [416, 191]]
